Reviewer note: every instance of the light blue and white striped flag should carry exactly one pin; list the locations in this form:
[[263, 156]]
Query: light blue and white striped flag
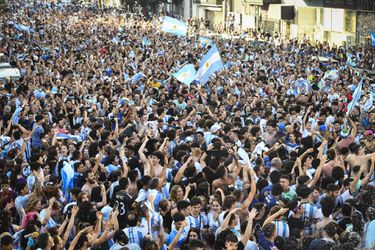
[[174, 26], [39, 94], [21, 27], [145, 42], [372, 34], [356, 96], [16, 116], [137, 77], [186, 74], [210, 63], [350, 62], [62, 136], [205, 42], [67, 175], [302, 85], [368, 104], [333, 75]]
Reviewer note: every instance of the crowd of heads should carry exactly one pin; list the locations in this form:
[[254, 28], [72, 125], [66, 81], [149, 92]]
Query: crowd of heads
[[268, 154]]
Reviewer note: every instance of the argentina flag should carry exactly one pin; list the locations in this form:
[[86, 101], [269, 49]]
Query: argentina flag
[[186, 74], [356, 96], [372, 34], [15, 116], [369, 103], [333, 75], [21, 27], [302, 86], [137, 77], [210, 63], [174, 26], [62, 136], [67, 174], [145, 42], [350, 61], [205, 42]]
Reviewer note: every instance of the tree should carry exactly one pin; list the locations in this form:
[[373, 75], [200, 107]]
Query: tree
[[128, 4], [153, 5], [3, 6]]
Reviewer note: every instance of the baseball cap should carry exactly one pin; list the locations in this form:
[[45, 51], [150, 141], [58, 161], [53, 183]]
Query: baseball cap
[[215, 127], [344, 133], [323, 128], [368, 132], [106, 211]]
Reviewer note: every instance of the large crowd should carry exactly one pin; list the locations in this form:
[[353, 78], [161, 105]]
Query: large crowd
[[265, 155]]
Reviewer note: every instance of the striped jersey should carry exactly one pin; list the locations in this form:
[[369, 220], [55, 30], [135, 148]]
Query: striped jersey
[[282, 229], [137, 233], [198, 222], [310, 214]]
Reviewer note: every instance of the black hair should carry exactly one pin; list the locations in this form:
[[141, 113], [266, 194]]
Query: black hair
[[195, 201], [154, 183], [346, 209], [330, 229], [132, 218], [327, 204], [303, 191], [194, 244], [275, 177], [332, 187], [276, 189], [177, 217], [121, 237], [183, 204], [123, 183], [269, 230], [338, 173], [42, 240]]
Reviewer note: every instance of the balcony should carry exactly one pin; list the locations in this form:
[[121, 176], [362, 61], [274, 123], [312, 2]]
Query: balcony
[[253, 2], [271, 1], [210, 2]]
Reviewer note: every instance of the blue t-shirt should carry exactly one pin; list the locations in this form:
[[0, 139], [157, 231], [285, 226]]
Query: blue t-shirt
[[36, 141]]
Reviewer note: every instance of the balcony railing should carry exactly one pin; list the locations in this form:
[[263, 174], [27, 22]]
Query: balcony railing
[[213, 2]]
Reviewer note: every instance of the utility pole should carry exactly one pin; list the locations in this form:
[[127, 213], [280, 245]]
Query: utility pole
[[225, 14]]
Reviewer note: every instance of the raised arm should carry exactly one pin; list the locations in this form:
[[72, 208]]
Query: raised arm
[[123, 161], [354, 183], [102, 238], [249, 227], [177, 237], [104, 197], [354, 127], [253, 188], [305, 117], [227, 218], [48, 211], [70, 225], [368, 176], [319, 170], [274, 216], [141, 151], [180, 172]]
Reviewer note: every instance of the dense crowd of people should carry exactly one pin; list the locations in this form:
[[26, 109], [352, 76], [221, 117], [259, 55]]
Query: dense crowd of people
[[265, 155]]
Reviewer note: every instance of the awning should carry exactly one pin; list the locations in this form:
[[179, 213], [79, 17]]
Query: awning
[[211, 7]]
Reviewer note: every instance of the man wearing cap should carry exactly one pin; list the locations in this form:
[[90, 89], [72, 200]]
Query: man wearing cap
[[347, 138]]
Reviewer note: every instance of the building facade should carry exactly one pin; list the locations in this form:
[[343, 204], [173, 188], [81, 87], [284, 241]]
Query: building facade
[[339, 22]]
